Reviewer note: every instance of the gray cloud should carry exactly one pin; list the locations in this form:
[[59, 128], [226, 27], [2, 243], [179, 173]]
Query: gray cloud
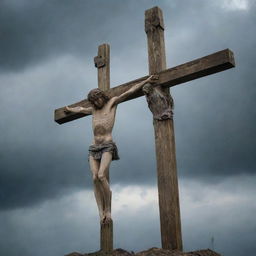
[[70, 223], [38, 31], [47, 51], [214, 117], [221, 210]]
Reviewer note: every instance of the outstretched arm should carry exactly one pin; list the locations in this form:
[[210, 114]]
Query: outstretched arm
[[135, 88], [78, 110]]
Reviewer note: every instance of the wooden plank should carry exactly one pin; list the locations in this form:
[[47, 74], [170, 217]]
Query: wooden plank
[[210, 64], [102, 62], [154, 27], [213, 63], [106, 236], [104, 70], [168, 192]]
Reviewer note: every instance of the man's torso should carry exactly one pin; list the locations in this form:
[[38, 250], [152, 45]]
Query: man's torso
[[102, 123]]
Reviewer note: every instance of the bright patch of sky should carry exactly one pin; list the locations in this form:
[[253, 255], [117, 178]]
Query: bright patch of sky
[[234, 5]]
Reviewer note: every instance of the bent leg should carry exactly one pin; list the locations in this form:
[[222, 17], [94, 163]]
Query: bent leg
[[94, 166], [102, 174]]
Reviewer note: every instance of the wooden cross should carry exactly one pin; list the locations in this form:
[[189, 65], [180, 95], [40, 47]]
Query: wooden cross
[[164, 132]]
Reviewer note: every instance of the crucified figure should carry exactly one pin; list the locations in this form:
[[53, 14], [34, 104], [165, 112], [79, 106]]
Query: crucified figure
[[103, 150]]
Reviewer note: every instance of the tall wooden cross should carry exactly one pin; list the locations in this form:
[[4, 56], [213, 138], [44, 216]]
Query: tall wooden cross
[[164, 132]]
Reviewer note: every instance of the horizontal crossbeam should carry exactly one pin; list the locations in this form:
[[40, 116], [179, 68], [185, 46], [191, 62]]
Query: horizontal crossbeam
[[194, 69]]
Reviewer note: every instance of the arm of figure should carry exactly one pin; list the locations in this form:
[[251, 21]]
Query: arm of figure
[[136, 87], [87, 111]]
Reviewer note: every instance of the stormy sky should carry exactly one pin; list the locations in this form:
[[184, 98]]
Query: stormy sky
[[47, 47]]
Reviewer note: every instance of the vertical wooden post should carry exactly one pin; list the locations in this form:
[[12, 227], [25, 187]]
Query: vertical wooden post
[[164, 140], [102, 62]]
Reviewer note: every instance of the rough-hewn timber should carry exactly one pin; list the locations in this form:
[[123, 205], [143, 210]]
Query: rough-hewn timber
[[104, 68], [106, 236], [216, 62], [168, 192], [102, 63]]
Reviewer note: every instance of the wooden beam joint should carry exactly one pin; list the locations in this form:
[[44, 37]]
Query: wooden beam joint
[[213, 63]]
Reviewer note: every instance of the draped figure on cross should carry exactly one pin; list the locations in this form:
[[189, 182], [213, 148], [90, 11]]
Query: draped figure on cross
[[160, 103], [103, 149]]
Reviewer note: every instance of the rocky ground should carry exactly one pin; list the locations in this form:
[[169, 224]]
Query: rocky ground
[[149, 252]]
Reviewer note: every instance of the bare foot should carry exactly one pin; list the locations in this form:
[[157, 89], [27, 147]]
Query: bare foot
[[106, 218]]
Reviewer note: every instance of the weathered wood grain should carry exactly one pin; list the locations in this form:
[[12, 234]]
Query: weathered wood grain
[[154, 27], [106, 229], [104, 71], [168, 192], [210, 64], [106, 236]]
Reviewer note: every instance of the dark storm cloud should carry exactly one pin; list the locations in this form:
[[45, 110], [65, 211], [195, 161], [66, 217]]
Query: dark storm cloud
[[34, 175], [214, 116], [36, 166], [221, 211], [70, 223], [32, 32], [46, 195], [38, 30], [217, 128]]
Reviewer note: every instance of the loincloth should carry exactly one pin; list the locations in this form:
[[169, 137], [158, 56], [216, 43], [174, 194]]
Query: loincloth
[[96, 151]]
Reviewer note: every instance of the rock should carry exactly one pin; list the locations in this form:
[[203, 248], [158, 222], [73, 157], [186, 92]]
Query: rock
[[161, 252], [74, 254], [150, 252]]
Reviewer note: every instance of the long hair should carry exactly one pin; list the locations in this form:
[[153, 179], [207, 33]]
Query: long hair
[[95, 94]]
